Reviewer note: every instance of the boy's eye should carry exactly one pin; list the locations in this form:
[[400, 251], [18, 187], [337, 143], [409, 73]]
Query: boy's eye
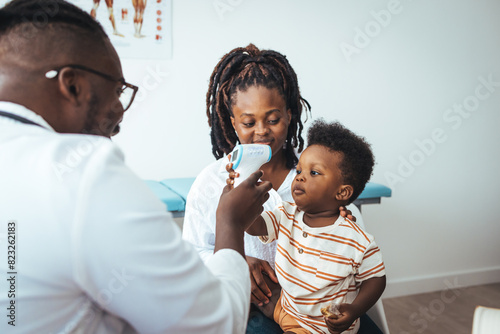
[[313, 172], [298, 172]]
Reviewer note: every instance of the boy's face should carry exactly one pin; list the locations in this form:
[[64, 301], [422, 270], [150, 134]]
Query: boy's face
[[318, 180]]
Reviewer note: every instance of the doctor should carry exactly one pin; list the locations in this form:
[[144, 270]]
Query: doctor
[[86, 247]]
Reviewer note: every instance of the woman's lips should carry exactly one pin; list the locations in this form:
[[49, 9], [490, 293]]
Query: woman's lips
[[263, 142]]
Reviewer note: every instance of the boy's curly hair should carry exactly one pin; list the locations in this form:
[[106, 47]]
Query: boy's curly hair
[[357, 157]]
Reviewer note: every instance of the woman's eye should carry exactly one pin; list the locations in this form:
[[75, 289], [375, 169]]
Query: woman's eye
[[274, 121], [248, 124]]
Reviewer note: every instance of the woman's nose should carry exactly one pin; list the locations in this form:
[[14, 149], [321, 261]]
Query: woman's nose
[[261, 129]]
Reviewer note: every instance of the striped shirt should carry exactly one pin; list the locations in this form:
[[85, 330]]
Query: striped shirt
[[317, 266]]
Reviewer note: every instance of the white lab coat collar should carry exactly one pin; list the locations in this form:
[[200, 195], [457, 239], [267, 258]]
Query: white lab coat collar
[[22, 111]]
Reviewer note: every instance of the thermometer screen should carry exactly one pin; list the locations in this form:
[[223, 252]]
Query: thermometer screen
[[235, 155]]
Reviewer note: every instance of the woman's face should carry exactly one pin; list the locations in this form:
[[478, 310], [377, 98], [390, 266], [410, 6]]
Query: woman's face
[[260, 117]]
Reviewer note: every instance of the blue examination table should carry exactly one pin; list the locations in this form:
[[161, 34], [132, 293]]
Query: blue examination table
[[173, 192]]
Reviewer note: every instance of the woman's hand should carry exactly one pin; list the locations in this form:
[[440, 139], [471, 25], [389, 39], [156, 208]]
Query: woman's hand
[[346, 213], [232, 174], [261, 292]]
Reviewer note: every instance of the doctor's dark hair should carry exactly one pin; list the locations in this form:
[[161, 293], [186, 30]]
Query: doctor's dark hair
[[37, 15], [242, 68], [357, 157]]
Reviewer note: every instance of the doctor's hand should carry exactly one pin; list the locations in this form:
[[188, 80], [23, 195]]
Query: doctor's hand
[[238, 208]]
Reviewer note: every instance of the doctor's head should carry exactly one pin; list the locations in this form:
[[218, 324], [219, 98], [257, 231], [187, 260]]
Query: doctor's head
[[58, 61]]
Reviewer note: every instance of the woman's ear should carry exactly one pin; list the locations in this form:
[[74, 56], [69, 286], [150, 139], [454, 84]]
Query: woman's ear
[[344, 193], [232, 122]]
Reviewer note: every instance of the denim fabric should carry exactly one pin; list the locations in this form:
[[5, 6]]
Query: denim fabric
[[367, 326], [258, 323]]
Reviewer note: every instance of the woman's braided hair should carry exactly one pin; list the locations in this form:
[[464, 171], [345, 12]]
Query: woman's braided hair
[[242, 68]]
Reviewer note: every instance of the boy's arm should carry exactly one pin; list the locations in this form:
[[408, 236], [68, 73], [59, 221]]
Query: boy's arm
[[258, 227], [369, 292]]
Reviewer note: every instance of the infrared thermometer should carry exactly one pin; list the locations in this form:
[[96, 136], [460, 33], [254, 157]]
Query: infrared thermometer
[[248, 158]]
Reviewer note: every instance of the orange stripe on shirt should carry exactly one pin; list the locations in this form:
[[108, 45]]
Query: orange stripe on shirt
[[372, 271], [294, 280], [356, 228], [329, 277], [324, 299], [341, 240], [329, 237], [339, 259], [295, 263], [274, 221], [371, 252], [312, 322], [288, 215], [334, 258]]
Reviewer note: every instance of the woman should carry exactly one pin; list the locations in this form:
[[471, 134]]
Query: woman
[[253, 97]]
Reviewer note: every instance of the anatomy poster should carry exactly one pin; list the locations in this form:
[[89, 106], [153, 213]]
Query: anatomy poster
[[137, 28]]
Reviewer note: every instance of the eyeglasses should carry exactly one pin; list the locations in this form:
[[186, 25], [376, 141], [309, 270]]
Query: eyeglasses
[[127, 93]]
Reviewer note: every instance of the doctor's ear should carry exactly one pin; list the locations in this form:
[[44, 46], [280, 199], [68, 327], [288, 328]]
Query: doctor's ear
[[71, 85], [344, 193]]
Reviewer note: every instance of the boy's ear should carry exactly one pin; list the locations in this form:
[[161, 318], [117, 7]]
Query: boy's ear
[[344, 193]]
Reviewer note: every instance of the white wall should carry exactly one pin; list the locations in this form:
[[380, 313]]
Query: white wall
[[442, 224]]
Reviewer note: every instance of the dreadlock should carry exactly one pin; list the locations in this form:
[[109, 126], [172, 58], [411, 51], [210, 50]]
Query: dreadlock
[[240, 69]]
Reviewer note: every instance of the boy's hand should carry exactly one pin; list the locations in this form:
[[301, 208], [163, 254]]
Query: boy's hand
[[347, 213], [348, 313]]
